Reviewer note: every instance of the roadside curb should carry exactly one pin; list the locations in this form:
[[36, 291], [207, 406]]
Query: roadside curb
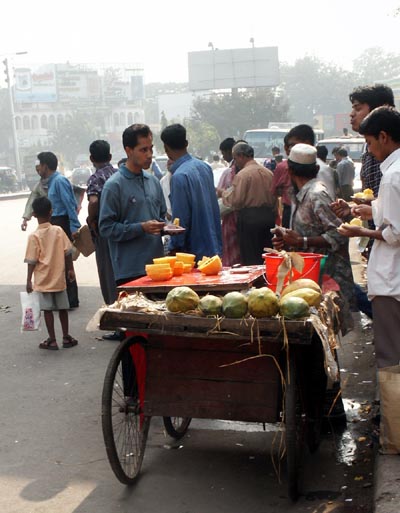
[[16, 195]]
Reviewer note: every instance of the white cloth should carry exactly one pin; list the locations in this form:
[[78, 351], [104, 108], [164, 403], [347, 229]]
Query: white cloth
[[326, 176], [384, 262], [165, 183]]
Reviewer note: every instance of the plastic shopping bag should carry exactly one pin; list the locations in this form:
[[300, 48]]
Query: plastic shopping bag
[[30, 311]]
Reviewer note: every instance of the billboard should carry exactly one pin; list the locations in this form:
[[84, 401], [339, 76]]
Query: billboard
[[228, 69], [75, 82], [35, 86]]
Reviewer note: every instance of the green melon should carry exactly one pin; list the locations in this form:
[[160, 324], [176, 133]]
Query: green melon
[[211, 305], [234, 305], [262, 302], [181, 299], [293, 307]]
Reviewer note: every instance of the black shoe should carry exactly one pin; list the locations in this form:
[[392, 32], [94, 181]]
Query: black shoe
[[115, 335]]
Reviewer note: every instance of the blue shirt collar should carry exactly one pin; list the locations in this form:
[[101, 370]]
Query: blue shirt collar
[[50, 178], [128, 174], [180, 161]]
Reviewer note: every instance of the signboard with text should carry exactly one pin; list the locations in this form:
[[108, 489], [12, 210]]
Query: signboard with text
[[35, 86]]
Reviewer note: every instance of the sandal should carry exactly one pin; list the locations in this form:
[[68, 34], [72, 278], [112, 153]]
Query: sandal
[[69, 341], [50, 344]]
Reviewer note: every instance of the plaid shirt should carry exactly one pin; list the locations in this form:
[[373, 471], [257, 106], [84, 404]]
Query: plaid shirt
[[371, 176], [370, 173]]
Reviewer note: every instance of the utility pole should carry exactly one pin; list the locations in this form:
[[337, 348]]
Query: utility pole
[[13, 127], [12, 114]]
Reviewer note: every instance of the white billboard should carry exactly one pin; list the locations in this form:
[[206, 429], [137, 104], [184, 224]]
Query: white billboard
[[228, 69]]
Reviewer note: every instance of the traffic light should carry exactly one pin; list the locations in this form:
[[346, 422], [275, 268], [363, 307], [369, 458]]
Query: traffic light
[[5, 62]]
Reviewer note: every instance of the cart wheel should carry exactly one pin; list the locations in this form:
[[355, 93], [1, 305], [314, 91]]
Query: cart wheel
[[176, 426], [295, 429], [125, 428]]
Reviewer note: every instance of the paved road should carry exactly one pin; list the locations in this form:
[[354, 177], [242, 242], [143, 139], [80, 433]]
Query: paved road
[[13, 269], [51, 448]]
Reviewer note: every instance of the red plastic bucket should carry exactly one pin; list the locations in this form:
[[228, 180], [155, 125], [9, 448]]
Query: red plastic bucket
[[311, 269]]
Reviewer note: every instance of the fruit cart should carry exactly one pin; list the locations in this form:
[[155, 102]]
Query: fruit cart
[[180, 366]]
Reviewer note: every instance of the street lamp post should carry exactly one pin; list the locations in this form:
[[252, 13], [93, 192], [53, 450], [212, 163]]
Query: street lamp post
[[12, 114], [211, 45]]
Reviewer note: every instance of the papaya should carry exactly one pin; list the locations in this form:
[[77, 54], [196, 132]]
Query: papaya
[[210, 305], [262, 302], [293, 307], [211, 266], [170, 260], [368, 194], [159, 272], [234, 305], [178, 268], [186, 258], [157, 267], [202, 261], [311, 296], [181, 299], [356, 222], [301, 283]]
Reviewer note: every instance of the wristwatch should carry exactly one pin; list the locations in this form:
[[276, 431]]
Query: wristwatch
[[305, 242]]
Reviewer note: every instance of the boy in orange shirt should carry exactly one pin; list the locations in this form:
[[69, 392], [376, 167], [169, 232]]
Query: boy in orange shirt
[[48, 254]]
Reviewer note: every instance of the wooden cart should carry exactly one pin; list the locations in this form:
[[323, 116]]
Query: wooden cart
[[180, 366]]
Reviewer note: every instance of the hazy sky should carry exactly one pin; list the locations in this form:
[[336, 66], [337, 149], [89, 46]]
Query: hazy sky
[[160, 33]]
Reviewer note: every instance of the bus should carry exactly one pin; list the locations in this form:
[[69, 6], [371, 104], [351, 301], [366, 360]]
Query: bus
[[262, 140]]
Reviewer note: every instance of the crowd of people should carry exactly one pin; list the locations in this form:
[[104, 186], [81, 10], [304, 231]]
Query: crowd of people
[[295, 202]]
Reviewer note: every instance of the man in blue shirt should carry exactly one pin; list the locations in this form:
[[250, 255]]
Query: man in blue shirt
[[60, 193], [193, 198], [132, 208]]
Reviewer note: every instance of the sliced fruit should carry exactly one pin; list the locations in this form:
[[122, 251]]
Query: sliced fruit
[[187, 258], [211, 266], [368, 192], [204, 259], [179, 268], [176, 221], [160, 275], [170, 260], [157, 267], [187, 268], [356, 222]]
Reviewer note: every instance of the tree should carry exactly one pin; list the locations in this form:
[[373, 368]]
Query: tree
[[233, 114], [314, 87], [159, 145], [203, 138], [374, 65], [75, 135]]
